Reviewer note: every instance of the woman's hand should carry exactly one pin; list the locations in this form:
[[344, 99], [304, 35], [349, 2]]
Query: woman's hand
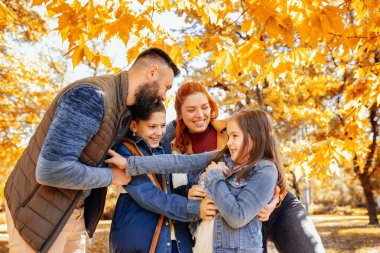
[[196, 192], [116, 160], [207, 209], [220, 165], [269, 208]]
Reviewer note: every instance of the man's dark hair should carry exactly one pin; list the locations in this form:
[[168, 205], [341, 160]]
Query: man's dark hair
[[156, 53]]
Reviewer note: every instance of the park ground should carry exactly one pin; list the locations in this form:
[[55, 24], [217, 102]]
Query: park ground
[[339, 233]]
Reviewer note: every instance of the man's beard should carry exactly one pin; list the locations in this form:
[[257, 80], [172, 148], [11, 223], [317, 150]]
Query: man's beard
[[147, 95]]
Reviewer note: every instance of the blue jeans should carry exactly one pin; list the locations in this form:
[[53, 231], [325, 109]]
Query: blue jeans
[[291, 229]]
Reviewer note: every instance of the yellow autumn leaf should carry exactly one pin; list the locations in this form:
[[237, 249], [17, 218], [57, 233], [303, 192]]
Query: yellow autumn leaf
[[220, 63], [106, 61], [88, 53], [5, 14], [77, 56], [273, 28], [246, 26], [39, 2], [334, 18]]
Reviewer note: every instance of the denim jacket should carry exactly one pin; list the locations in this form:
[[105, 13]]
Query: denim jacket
[[138, 210], [237, 228]]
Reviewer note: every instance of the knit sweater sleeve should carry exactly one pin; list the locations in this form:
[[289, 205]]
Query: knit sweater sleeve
[[77, 118]]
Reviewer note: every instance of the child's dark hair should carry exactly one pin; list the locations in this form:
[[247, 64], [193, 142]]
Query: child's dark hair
[[143, 112]]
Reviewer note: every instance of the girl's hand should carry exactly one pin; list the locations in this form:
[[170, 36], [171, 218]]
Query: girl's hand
[[196, 192], [220, 165], [116, 160], [207, 209]]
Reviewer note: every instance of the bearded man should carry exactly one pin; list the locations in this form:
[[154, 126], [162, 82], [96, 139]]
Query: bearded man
[[56, 192]]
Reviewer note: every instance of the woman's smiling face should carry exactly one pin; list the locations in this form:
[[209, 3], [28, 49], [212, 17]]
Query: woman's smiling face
[[196, 112]]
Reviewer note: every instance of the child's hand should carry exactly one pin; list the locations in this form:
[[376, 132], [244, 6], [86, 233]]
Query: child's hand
[[119, 177], [196, 192], [220, 165], [116, 160], [207, 209]]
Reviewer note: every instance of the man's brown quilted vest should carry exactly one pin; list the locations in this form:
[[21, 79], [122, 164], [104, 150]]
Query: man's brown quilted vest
[[39, 212]]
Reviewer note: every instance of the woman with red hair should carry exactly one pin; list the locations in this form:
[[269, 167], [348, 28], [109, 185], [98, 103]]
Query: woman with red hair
[[196, 130]]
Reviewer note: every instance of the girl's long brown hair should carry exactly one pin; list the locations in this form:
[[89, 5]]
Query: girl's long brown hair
[[257, 127], [181, 132]]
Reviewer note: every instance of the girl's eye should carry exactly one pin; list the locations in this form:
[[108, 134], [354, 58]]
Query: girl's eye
[[191, 111]]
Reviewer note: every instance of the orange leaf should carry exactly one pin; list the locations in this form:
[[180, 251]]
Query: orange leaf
[[77, 56], [106, 61], [39, 2], [88, 53]]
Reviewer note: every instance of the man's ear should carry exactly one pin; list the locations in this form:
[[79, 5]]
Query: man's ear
[[152, 73], [133, 126]]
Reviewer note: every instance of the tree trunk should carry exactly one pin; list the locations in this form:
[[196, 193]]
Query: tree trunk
[[371, 205], [295, 185]]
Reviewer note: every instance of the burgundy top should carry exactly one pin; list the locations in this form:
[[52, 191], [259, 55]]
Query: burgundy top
[[203, 142]]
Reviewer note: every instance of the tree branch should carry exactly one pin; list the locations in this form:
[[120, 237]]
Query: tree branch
[[356, 37], [224, 27], [222, 86], [356, 168]]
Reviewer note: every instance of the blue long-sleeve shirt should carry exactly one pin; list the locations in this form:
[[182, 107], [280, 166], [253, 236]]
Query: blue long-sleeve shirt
[[77, 118], [151, 198]]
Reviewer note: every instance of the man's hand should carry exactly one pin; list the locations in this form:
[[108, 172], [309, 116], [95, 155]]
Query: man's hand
[[117, 160], [220, 165], [196, 192], [269, 208], [207, 209]]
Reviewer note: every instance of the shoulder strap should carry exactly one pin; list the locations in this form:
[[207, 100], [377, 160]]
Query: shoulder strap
[[131, 146], [156, 234]]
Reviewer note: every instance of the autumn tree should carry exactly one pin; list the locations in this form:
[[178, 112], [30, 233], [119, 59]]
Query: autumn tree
[[29, 78], [313, 64]]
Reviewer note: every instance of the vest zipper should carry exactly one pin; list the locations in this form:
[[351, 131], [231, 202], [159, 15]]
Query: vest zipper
[[92, 228]]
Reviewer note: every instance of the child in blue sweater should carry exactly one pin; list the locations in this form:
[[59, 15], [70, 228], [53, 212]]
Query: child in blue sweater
[[150, 208]]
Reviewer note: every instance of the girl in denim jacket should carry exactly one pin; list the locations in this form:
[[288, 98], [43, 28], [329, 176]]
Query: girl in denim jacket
[[239, 192], [241, 189]]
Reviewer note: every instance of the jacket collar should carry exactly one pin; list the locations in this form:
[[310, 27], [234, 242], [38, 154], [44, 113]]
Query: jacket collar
[[123, 88], [141, 143]]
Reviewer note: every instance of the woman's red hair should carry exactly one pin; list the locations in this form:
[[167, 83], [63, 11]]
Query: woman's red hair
[[181, 133]]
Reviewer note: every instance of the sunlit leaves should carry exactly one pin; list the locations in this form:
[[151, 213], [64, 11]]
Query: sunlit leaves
[[314, 65], [5, 15]]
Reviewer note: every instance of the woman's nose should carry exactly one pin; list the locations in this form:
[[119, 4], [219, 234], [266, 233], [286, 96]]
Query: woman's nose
[[198, 113]]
